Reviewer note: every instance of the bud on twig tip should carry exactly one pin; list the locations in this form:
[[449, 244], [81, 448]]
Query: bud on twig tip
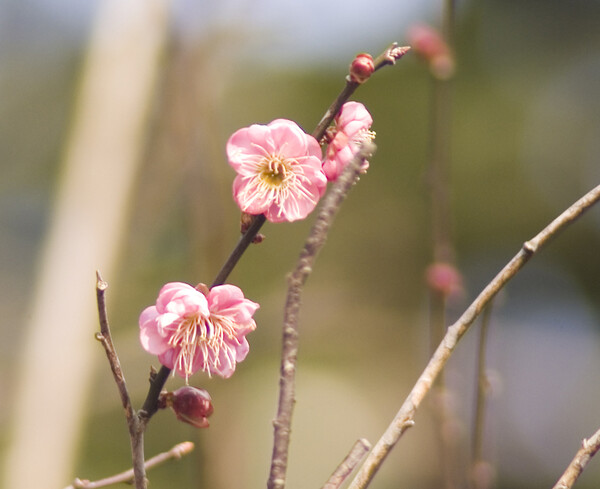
[[361, 68]]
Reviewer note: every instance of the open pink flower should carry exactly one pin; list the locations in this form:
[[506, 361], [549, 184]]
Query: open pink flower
[[351, 127], [191, 331], [278, 169]]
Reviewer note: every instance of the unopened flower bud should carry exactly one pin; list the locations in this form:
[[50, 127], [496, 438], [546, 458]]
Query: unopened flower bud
[[361, 68], [191, 405], [429, 44], [444, 278]]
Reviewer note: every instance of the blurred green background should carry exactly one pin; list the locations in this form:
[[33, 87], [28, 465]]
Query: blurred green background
[[525, 144]]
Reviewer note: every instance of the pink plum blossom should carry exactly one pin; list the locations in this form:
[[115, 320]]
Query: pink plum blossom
[[279, 171], [191, 329], [351, 127]]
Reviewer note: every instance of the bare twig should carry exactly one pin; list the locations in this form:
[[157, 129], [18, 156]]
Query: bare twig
[[404, 417], [176, 452], [237, 253], [105, 338], [136, 424], [588, 449], [314, 243], [343, 470]]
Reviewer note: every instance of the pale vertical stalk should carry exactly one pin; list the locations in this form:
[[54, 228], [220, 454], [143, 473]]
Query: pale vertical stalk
[[101, 158], [443, 246], [482, 389]]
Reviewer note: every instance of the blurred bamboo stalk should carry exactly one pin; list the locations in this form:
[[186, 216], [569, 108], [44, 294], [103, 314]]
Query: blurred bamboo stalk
[[102, 155]]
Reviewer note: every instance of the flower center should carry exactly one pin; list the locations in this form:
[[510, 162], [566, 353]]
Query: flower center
[[201, 339], [275, 171]]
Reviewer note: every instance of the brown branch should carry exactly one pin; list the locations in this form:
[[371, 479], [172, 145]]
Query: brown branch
[[135, 424], [176, 452], [343, 470], [105, 338], [405, 416], [315, 241], [588, 449]]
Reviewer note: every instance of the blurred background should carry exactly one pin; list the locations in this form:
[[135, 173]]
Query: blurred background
[[113, 123]]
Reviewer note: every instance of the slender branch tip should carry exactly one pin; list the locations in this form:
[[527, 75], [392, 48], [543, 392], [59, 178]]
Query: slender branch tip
[[101, 285]]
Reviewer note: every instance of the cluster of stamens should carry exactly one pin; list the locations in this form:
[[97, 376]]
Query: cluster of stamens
[[275, 172], [364, 136], [206, 334]]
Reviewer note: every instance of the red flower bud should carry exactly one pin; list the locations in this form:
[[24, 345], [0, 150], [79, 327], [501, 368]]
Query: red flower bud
[[191, 405], [431, 46], [361, 68], [444, 278]]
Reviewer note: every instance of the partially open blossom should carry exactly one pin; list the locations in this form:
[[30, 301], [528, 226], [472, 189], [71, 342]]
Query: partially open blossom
[[191, 330], [190, 405], [361, 68], [351, 127], [429, 44], [278, 169]]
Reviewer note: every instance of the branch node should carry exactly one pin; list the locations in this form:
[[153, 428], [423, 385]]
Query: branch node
[[529, 247]]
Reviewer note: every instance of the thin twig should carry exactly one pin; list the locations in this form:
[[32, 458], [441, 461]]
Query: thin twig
[[239, 250], [443, 251], [176, 452], [405, 416], [105, 338], [480, 473], [135, 424], [391, 54], [315, 241], [482, 388], [588, 449], [343, 470]]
